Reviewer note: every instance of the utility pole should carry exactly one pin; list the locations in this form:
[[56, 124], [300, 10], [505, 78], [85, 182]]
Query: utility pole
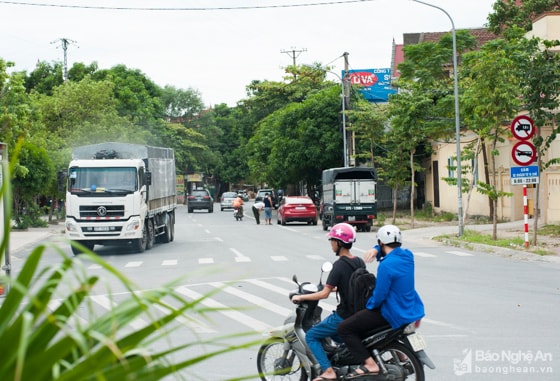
[[349, 148], [65, 42], [294, 53]]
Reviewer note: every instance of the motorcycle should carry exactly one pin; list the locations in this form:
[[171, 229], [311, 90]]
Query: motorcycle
[[284, 355], [238, 213]]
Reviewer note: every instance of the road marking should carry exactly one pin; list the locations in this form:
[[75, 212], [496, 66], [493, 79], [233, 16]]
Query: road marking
[[205, 261], [271, 287], [460, 253], [316, 257], [278, 258], [169, 262], [424, 255], [241, 318], [261, 302], [134, 264], [240, 257], [94, 267]]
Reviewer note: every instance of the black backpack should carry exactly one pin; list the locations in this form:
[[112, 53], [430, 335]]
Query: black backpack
[[360, 286]]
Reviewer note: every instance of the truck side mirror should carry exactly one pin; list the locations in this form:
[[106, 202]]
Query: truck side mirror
[[148, 178]]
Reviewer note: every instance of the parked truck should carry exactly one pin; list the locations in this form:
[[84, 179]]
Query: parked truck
[[348, 195], [121, 194]]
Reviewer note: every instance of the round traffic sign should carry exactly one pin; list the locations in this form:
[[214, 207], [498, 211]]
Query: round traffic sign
[[524, 153], [523, 127]]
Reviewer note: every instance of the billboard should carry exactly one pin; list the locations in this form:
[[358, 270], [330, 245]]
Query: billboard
[[375, 83]]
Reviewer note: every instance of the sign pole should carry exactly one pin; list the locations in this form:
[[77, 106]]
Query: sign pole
[[525, 215]]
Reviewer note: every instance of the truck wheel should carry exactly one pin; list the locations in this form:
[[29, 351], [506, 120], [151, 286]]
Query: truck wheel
[[151, 234], [168, 233], [140, 243]]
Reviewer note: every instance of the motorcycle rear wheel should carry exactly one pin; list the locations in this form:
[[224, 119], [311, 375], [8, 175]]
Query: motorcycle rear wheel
[[274, 363], [404, 358]]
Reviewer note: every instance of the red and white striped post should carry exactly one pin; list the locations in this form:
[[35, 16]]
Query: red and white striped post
[[526, 215]]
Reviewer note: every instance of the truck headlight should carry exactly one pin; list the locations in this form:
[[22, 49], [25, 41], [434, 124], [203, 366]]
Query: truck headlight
[[71, 227], [132, 225]]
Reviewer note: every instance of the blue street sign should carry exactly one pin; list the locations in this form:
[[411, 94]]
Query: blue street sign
[[524, 175]]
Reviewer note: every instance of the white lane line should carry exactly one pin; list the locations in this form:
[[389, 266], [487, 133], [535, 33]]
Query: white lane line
[[315, 257], [251, 298], [218, 239], [169, 262], [94, 267], [241, 318], [424, 255], [134, 264], [187, 320], [205, 261], [460, 253], [271, 287], [278, 258], [240, 257]]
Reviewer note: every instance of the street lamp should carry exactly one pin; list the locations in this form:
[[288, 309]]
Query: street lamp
[[457, 125], [342, 96]]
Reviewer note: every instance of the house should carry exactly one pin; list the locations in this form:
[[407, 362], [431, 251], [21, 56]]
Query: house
[[444, 197]]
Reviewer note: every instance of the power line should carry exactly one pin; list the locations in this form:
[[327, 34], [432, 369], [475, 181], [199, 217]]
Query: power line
[[190, 9]]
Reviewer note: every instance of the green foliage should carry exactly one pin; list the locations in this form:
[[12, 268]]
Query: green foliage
[[297, 142], [49, 329]]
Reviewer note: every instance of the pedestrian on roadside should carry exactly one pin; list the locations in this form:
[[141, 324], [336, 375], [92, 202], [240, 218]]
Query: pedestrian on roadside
[[267, 209], [257, 209]]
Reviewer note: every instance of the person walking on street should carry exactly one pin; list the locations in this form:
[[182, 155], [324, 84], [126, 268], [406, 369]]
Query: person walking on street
[[267, 209], [341, 237], [257, 209], [394, 300]]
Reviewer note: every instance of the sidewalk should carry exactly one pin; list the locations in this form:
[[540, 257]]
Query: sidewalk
[[28, 238]]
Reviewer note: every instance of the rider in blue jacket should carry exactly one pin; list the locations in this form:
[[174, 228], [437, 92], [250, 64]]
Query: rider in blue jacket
[[394, 300]]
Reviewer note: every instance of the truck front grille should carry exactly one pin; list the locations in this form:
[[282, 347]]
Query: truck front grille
[[101, 212]]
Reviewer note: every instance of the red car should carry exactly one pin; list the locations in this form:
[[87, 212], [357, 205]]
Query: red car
[[297, 208]]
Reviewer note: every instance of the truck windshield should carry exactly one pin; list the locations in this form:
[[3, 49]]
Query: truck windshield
[[99, 180]]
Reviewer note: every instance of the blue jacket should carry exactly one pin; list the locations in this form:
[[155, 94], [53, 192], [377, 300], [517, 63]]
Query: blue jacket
[[394, 291]]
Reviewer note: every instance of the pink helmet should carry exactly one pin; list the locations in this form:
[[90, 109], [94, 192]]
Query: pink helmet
[[342, 232]]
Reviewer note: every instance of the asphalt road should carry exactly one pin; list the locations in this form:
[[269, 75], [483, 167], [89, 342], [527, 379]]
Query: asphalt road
[[488, 316]]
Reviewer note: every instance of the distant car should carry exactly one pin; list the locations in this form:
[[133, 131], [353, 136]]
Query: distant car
[[262, 192], [200, 199], [297, 208], [226, 201]]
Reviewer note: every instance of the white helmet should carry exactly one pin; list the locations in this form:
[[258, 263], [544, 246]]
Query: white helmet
[[389, 234]]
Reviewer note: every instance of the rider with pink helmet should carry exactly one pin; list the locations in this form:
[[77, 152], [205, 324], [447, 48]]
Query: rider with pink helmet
[[341, 237]]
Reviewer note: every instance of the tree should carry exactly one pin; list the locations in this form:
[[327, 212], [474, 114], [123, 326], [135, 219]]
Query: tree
[[297, 142], [178, 103], [509, 15], [490, 79], [369, 122]]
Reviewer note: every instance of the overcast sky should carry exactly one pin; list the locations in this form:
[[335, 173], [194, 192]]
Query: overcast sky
[[219, 46]]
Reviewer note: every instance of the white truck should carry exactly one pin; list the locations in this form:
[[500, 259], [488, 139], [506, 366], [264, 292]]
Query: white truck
[[121, 194]]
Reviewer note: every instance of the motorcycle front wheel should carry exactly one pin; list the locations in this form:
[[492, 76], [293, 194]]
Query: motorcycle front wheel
[[275, 363], [403, 362]]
